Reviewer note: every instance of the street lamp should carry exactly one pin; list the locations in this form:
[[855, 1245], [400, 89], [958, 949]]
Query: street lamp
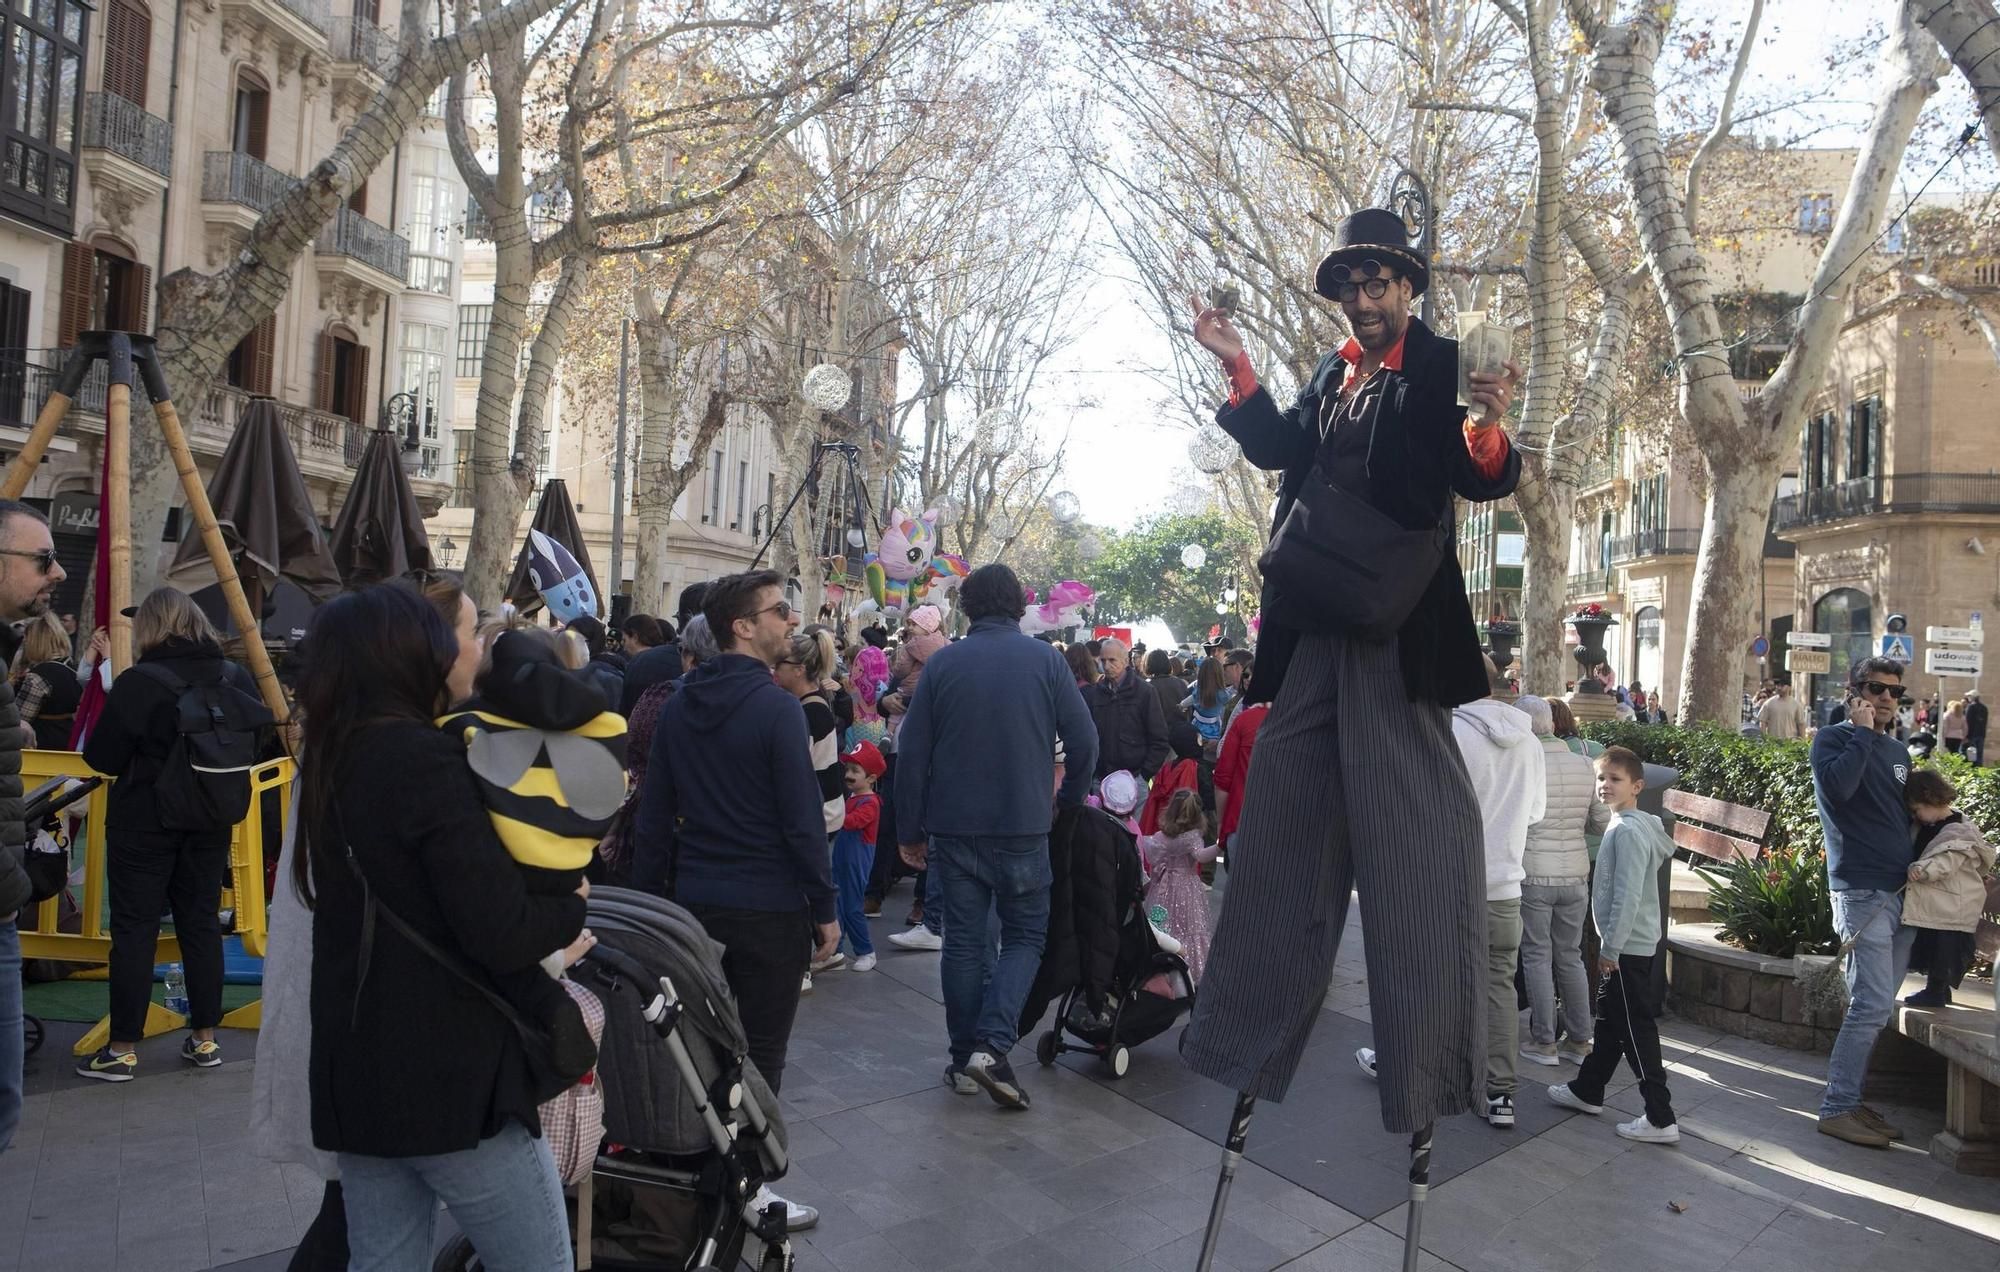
[[1410, 199]]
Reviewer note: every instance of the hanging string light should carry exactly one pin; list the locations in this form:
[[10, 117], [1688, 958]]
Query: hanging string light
[[1065, 507], [1194, 556], [827, 387], [1212, 450]]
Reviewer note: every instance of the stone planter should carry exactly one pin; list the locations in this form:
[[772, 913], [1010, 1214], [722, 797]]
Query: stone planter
[[1749, 995], [1589, 651]]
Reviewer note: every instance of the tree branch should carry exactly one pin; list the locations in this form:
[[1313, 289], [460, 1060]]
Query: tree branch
[[1725, 117], [1514, 113]]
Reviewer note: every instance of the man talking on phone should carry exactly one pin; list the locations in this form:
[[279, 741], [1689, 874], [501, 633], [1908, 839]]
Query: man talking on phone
[[1356, 781], [1858, 772]]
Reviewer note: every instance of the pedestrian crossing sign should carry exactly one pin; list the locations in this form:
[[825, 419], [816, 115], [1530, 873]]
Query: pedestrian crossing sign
[[1900, 646]]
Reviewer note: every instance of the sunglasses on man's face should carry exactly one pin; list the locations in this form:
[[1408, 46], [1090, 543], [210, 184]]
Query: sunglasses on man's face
[[45, 560], [1876, 688]]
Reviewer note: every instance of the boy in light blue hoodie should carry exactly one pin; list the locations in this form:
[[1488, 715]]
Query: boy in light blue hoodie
[[1625, 902]]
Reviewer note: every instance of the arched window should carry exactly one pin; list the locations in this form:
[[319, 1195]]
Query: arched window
[[1847, 615], [340, 384], [1648, 656], [250, 127]]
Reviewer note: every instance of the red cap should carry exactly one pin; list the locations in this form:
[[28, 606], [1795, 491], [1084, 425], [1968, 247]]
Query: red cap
[[867, 758]]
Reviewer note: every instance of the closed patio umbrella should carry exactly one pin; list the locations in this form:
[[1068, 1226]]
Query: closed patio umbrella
[[380, 531], [555, 518]]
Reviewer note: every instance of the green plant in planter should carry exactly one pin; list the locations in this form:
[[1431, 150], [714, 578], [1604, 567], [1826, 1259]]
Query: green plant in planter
[[1776, 905]]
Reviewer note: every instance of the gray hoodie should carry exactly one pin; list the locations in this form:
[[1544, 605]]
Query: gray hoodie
[[1625, 899], [1504, 761]]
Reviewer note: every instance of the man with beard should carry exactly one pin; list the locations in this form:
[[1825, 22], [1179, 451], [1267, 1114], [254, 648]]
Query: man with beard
[[29, 573], [1356, 779]]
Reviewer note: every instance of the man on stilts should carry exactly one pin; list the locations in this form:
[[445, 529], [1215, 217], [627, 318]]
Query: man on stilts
[[1356, 781]]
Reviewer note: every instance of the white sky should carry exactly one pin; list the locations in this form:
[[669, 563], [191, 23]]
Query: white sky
[[1124, 452]]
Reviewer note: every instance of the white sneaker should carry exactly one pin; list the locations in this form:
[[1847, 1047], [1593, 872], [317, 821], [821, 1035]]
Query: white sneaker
[[806, 986], [797, 1218], [1559, 1093], [918, 937], [866, 963], [1365, 1057], [1500, 1110], [1574, 1052], [955, 1077], [1646, 1133], [828, 963], [1540, 1053]]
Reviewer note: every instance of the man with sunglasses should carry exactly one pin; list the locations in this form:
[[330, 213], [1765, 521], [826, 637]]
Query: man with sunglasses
[[1356, 780], [29, 574], [1858, 771], [729, 820]]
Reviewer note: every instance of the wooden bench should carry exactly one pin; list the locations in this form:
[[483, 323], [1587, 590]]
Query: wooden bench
[[1717, 828]]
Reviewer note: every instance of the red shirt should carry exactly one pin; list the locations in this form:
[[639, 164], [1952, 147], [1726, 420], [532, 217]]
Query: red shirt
[[1180, 775], [1232, 766], [864, 812]]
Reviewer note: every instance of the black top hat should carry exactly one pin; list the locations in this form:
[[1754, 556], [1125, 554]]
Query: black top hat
[[1375, 234]]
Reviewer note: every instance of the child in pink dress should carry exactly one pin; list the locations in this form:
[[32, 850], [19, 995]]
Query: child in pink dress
[[1175, 899]]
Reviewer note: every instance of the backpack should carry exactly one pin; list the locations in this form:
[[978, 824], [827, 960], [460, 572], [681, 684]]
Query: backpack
[[205, 782]]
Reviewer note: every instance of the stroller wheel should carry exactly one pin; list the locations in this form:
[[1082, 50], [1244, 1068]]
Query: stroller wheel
[[1045, 1048], [457, 1256], [31, 1034], [1120, 1060]]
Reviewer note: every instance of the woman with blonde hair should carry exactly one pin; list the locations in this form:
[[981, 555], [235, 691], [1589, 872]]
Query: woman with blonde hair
[[45, 685], [1951, 725], [149, 865]]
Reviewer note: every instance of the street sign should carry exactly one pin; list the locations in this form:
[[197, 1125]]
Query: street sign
[[1760, 647], [1975, 621], [1808, 661], [1901, 647], [1954, 635], [1809, 640], [1953, 662]]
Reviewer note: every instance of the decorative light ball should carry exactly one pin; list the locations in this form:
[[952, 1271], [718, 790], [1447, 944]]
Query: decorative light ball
[[1229, 594], [949, 509], [1001, 525], [1089, 548], [1188, 501], [1065, 507], [992, 429], [827, 387], [1212, 449], [855, 538], [1194, 556], [1221, 607]]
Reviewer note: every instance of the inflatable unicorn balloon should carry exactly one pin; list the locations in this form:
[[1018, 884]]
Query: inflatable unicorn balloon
[[900, 572], [1063, 608]]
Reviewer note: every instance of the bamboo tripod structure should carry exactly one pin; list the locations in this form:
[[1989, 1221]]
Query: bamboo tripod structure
[[125, 352]]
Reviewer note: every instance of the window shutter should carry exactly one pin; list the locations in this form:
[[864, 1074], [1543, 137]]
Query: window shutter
[[135, 299], [79, 271], [323, 374], [357, 389], [264, 354], [257, 109], [128, 46]]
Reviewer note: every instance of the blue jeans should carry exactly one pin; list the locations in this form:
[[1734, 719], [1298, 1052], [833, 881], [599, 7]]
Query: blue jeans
[[983, 994], [852, 862], [933, 885], [1875, 969], [13, 1041], [504, 1195]]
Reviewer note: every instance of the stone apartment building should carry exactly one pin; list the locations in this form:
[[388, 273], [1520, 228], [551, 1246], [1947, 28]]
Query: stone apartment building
[[140, 139]]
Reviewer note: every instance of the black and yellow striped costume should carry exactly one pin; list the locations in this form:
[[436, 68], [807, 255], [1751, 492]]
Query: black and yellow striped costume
[[551, 792]]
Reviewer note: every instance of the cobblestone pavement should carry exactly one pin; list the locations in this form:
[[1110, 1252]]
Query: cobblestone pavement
[[155, 1175]]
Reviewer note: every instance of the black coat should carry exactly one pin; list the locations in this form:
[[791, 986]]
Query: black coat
[[1088, 853], [643, 670], [412, 1062], [1419, 461], [14, 888], [1975, 723], [1131, 730], [140, 724]]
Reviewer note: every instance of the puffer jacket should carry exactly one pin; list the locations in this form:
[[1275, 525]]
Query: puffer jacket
[[1094, 872], [1557, 854], [1951, 890], [14, 887]]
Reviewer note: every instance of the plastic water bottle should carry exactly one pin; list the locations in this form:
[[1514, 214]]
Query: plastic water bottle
[[177, 994]]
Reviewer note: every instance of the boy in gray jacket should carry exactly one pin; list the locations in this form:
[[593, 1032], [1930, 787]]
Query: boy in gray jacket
[[1625, 901]]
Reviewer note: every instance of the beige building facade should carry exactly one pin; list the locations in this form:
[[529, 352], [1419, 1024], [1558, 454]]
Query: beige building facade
[[137, 139]]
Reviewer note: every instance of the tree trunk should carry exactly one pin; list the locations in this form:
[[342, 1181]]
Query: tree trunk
[[1547, 510], [205, 316], [1728, 577], [1969, 30]]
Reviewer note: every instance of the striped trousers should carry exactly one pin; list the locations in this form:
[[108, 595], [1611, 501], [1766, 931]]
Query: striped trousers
[[1352, 787]]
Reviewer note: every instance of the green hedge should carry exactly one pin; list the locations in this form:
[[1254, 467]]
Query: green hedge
[[1776, 776]]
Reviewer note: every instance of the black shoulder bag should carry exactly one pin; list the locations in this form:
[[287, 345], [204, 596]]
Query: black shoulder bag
[[1338, 563], [559, 1054]]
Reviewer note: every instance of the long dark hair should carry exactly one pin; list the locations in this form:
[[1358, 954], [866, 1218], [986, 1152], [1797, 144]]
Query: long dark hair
[[1209, 684], [375, 655]]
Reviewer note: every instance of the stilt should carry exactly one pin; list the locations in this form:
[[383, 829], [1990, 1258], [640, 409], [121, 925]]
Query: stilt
[[1232, 1157], [1420, 1187]]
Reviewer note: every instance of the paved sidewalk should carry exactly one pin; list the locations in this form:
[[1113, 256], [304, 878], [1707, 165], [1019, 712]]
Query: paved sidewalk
[[1099, 1174]]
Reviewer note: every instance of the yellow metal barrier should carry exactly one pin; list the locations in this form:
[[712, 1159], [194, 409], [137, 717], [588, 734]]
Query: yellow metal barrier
[[92, 944]]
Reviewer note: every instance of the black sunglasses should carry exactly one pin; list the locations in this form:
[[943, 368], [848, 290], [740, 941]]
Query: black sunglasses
[[783, 609], [45, 560], [1878, 687]]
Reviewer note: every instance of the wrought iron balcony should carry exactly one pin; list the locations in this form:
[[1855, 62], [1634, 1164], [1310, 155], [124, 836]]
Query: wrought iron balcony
[[1598, 470], [311, 12], [1897, 493], [1653, 543], [112, 123], [1590, 584], [354, 236], [360, 41], [230, 176]]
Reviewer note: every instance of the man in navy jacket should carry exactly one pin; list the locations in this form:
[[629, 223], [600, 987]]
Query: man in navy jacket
[[975, 759], [1858, 773], [731, 809]]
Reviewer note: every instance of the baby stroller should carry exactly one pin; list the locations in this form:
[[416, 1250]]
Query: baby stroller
[[1149, 986], [691, 1128]]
